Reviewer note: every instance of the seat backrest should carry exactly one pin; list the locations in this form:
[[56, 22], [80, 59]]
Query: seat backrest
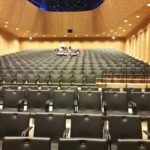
[[12, 97], [124, 127], [82, 144], [89, 88], [64, 99], [13, 124], [55, 78], [116, 101], [44, 78], [67, 78], [133, 144], [89, 100], [87, 126], [32, 78], [148, 121], [37, 98], [90, 79], [50, 125], [25, 143], [78, 79], [110, 90], [142, 100]]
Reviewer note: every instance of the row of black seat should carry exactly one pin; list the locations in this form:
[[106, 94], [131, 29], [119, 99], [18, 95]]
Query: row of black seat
[[71, 144], [53, 79], [120, 127], [70, 100]]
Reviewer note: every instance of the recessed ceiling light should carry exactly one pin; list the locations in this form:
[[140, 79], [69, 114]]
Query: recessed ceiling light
[[30, 38], [55, 35], [113, 37], [125, 20], [97, 35], [65, 35], [108, 35], [86, 35], [6, 22], [137, 16], [17, 29], [148, 4], [130, 24], [76, 35], [6, 26], [124, 30], [116, 33], [104, 33], [111, 30], [120, 28]]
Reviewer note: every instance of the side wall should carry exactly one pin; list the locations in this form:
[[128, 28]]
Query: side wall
[[138, 43], [118, 44], [8, 43]]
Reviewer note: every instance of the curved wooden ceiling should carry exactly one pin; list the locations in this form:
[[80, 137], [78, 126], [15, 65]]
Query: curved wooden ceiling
[[112, 18]]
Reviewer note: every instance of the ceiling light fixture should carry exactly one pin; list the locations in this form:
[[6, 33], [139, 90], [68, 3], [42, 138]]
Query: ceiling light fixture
[[113, 37], [17, 29], [125, 20], [30, 38], [6, 26], [137, 16], [148, 4]]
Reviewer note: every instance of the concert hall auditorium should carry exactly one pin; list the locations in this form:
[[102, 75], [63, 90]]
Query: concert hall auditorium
[[74, 74]]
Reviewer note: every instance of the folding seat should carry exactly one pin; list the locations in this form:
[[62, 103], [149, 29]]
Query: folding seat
[[82, 143], [38, 100], [66, 79], [124, 127], [98, 74], [32, 78], [86, 126], [89, 102], [44, 78], [78, 80], [115, 102], [109, 90], [132, 144], [20, 78], [51, 125], [21, 143], [64, 101], [141, 103], [7, 79], [90, 80], [13, 124], [130, 90], [89, 88], [12, 100], [55, 79]]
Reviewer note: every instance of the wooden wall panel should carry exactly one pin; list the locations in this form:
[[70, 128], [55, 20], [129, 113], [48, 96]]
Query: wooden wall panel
[[91, 44], [8, 43], [141, 42]]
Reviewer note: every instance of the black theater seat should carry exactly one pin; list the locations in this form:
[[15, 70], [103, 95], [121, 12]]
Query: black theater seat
[[82, 144], [64, 101], [25, 143], [89, 102], [13, 124], [124, 127], [142, 103], [13, 100], [115, 102], [86, 126], [38, 100], [133, 144]]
